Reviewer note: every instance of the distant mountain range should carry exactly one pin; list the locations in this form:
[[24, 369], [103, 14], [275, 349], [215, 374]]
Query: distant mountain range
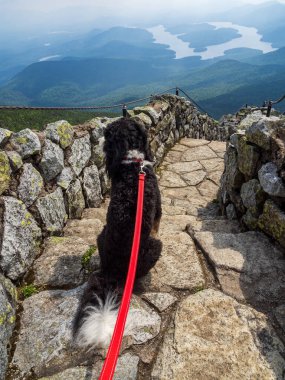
[[122, 64]]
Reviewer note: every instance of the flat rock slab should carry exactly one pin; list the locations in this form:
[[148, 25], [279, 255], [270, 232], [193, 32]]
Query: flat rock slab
[[194, 178], [213, 164], [224, 340], [178, 266], [61, 264], [143, 322], [184, 167], [126, 369], [218, 146], [45, 339], [198, 153], [86, 229], [193, 143], [170, 179], [249, 267], [160, 300]]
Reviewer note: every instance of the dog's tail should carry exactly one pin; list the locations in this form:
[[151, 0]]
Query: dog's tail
[[97, 313]]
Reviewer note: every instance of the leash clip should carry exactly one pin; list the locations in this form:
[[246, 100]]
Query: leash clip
[[142, 168]]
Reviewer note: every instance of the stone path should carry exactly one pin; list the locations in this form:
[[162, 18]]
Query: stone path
[[212, 308]]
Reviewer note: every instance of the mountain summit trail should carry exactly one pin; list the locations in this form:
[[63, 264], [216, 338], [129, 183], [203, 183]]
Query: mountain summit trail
[[205, 311]]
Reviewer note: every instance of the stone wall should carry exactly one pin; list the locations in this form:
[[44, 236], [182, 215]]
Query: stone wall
[[253, 183]]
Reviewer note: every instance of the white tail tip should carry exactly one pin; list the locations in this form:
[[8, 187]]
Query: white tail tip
[[98, 323]]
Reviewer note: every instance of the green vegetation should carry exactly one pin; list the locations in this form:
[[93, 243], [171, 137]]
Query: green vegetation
[[28, 290], [16, 120], [87, 256]]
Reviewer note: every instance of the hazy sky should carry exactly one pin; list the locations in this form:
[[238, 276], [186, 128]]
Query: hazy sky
[[50, 14]]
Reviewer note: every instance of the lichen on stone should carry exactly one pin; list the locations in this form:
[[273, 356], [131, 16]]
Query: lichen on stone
[[5, 172]]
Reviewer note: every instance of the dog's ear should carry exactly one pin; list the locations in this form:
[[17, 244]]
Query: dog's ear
[[115, 146]]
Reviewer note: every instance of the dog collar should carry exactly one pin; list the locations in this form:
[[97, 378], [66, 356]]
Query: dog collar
[[135, 156]]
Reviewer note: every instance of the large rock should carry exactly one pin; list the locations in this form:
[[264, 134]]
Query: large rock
[[75, 200], [65, 178], [52, 161], [249, 120], [252, 194], [97, 153], [8, 299], [21, 238], [15, 160], [248, 157], [126, 369], [44, 343], [249, 267], [30, 186], [52, 211], [149, 111], [259, 133], [65, 262], [60, 132], [98, 128], [26, 143], [5, 172], [271, 183], [80, 154], [5, 134], [92, 186], [232, 177], [143, 117], [272, 221], [214, 337]]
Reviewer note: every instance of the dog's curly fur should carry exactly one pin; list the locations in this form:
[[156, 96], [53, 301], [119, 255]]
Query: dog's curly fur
[[98, 309]]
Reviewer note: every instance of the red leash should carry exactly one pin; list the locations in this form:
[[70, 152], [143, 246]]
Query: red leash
[[114, 348]]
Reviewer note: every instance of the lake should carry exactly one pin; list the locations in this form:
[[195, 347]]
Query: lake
[[249, 38]]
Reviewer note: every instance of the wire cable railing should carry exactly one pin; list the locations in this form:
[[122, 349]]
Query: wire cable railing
[[79, 108], [123, 105]]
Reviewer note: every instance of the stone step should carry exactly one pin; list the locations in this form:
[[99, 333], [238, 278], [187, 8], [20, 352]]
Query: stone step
[[65, 262], [215, 337], [248, 265], [86, 229]]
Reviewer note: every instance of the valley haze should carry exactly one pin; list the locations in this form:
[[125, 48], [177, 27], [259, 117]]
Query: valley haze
[[72, 53]]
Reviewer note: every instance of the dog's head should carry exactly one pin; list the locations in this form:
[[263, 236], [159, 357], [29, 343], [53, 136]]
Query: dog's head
[[122, 136]]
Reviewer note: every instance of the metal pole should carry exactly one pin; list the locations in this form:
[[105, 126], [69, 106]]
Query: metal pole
[[124, 109], [269, 108], [177, 92]]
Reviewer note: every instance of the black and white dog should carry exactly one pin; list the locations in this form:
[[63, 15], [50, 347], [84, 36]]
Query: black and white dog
[[125, 147]]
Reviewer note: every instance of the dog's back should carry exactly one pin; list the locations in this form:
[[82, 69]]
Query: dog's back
[[125, 148]]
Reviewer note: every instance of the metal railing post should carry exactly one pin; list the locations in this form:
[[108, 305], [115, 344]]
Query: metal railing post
[[269, 108], [124, 109]]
